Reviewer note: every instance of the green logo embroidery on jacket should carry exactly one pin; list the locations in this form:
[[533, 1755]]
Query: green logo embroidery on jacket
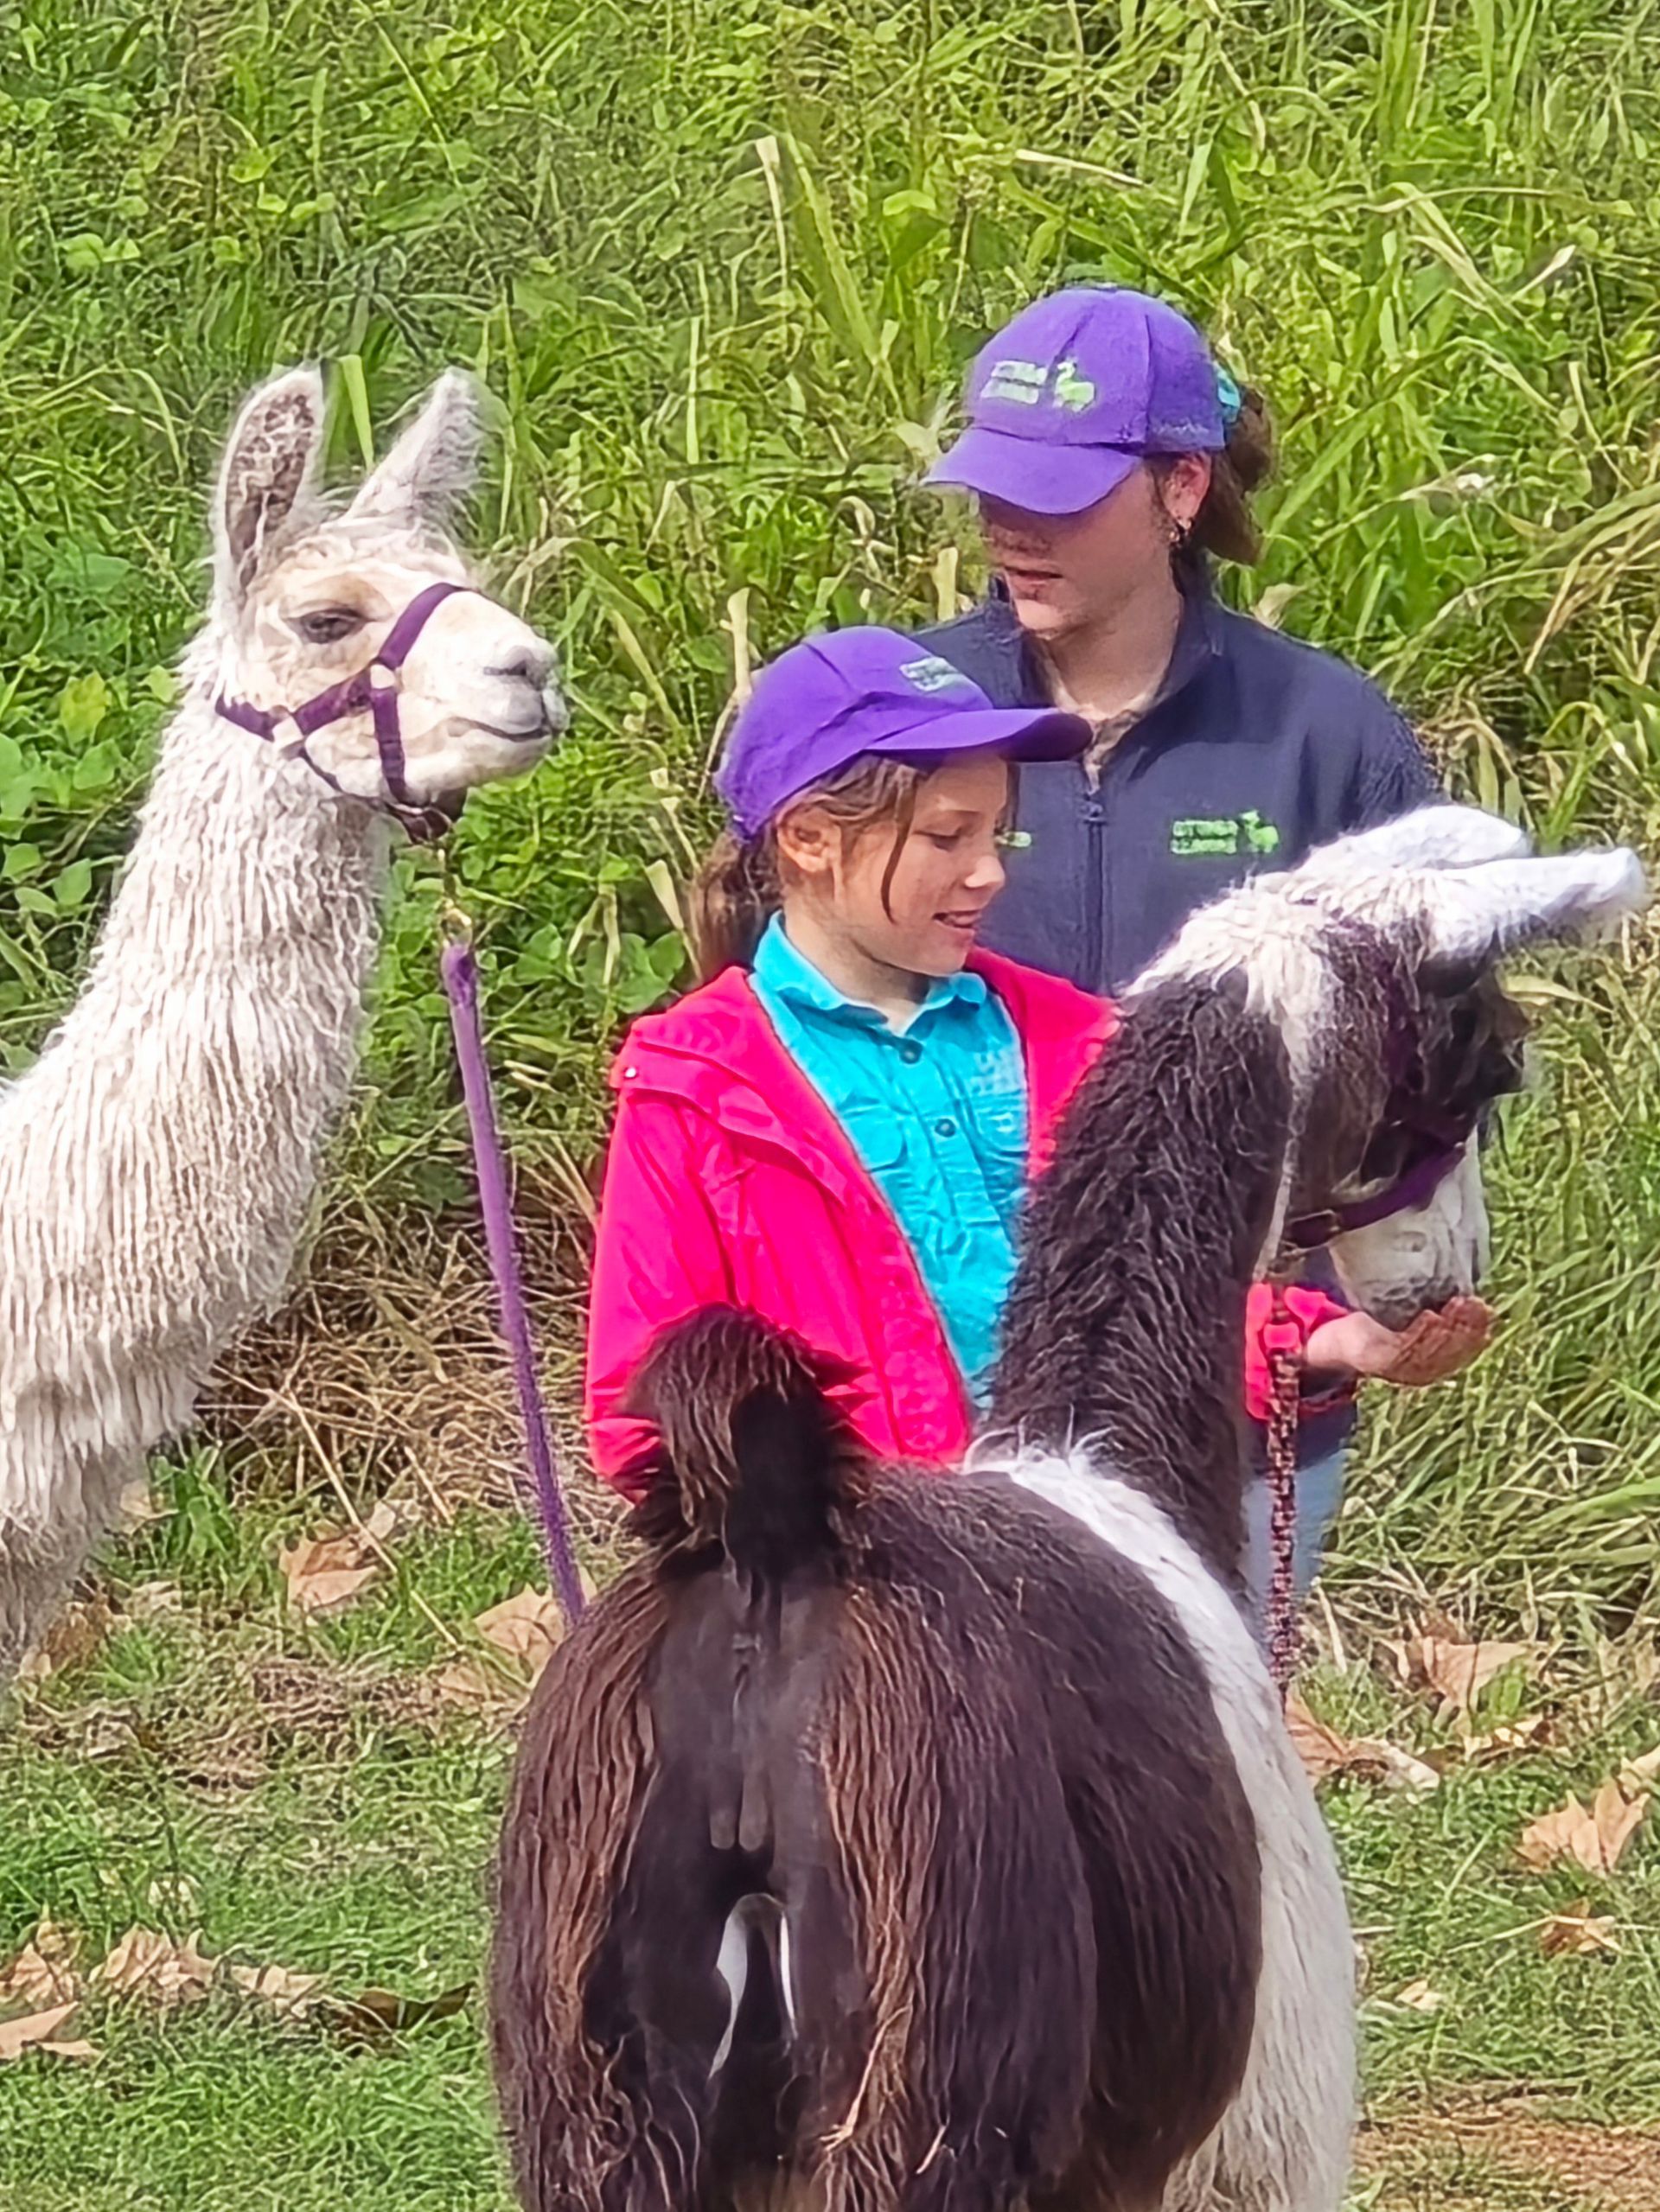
[[1222, 837]]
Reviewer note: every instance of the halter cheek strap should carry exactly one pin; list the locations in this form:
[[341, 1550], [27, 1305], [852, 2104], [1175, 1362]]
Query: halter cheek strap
[[1437, 1140], [375, 690]]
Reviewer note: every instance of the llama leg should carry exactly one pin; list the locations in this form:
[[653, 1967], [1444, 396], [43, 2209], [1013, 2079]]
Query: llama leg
[[35, 1573]]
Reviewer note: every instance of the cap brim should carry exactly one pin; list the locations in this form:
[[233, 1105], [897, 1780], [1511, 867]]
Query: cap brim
[[1017, 733], [1025, 472]]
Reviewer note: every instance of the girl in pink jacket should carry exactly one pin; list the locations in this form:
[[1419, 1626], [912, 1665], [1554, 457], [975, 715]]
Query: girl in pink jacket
[[836, 1130]]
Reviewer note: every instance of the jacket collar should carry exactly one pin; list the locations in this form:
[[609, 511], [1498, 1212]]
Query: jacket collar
[[786, 973], [717, 1050], [1199, 642]]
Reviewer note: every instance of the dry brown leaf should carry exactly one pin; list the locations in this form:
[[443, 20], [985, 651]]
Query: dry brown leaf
[[478, 1690], [1640, 1774], [43, 1971], [145, 1964], [375, 2016], [72, 1640], [1512, 1741], [1419, 1996], [148, 1601], [325, 1573], [139, 1505], [528, 1628], [39, 2031], [1578, 1933], [1454, 1668], [1324, 1753], [292, 1994], [1595, 1837]]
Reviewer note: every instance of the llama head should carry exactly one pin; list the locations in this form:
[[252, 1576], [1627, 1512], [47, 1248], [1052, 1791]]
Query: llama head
[[307, 589], [1376, 962]]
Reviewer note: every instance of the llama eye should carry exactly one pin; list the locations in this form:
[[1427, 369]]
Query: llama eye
[[328, 625]]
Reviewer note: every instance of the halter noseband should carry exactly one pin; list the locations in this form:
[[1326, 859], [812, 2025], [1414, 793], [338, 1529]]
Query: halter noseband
[[374, 690], [1436, 1141]]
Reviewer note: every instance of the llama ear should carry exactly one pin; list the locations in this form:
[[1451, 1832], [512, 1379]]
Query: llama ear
[[430, 468], [1482, 912], [1439, 836], [267, 480]]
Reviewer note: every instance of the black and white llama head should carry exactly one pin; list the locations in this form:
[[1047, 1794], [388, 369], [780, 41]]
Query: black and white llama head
[[1376, 962]]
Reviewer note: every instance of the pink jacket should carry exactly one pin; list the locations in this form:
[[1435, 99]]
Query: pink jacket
[[730, 1181]]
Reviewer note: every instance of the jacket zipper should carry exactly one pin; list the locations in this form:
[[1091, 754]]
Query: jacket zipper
[[1094, 936]]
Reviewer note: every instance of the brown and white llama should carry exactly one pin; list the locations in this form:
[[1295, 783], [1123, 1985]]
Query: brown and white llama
[[880, 1842], [157, 1160]]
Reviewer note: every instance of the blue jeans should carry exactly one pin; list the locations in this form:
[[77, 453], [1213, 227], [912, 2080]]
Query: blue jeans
[[1319, 1495]]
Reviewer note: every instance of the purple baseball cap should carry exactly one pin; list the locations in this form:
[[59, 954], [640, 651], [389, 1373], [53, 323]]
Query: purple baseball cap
[[847, 692], [1070, 396]]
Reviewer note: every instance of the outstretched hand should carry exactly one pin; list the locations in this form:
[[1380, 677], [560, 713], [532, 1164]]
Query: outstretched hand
[[1428, 1349]]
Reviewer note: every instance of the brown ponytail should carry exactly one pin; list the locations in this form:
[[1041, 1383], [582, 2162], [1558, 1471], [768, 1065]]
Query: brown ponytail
[[740, 886], [1224, 525], [734, 895]]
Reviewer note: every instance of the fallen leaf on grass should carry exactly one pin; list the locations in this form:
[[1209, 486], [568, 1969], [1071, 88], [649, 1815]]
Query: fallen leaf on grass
[[72, 1640], [145, 1964], [1577, 1933], [325, 1573], [43, 1971], [1324, 1753], [1640, 1774], [139, 1505], [39, 2031], [477, 1690], [1455, 1669], [528, 1628], [148, 1601], [1420, 1997], [1512, 1741], [293, 1995], [376, 2016], [1595, 1837]]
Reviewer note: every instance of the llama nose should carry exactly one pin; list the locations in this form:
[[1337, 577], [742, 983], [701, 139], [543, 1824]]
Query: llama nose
[[531, 664]]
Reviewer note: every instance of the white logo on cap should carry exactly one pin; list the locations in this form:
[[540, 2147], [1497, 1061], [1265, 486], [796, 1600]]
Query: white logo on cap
[[1022, 382], [931, 673]]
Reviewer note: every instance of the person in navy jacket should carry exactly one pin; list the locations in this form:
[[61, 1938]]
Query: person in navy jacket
[[1111, 460]]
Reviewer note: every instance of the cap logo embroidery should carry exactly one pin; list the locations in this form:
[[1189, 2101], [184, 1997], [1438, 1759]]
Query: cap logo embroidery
[[1020, 382], [1073, 392], [931, 673]]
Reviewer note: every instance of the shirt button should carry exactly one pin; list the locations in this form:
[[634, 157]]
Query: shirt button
[[946, 1128], [911, 1052]]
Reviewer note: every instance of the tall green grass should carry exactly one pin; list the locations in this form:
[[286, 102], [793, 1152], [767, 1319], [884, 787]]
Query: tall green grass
[[721, 266]]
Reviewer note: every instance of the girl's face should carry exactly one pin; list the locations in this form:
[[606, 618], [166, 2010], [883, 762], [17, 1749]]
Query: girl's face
[[1068, 572], [946, 872]]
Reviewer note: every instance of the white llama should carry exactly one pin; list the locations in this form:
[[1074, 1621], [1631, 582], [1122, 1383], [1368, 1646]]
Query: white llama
[[158, 1161]]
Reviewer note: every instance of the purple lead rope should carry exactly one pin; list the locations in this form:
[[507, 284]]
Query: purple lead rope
[[460, 972]]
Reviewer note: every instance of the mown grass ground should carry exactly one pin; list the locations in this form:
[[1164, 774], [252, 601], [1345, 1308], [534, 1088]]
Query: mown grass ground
[[302, 1796]]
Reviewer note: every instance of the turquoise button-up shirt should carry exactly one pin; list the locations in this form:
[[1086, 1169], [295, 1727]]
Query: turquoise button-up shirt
[[936, 1113]]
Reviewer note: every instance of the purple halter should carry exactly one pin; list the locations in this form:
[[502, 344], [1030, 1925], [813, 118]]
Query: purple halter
[[374, 690], [1436, 1141], [1415, 1186]]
